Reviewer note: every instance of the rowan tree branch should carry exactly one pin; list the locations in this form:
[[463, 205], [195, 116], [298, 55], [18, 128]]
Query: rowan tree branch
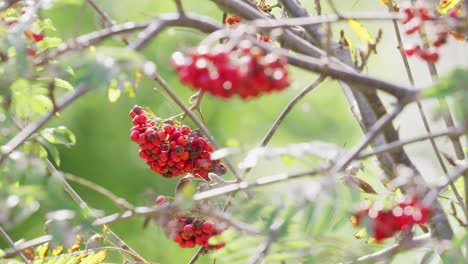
[[395, 145], [391, 251], [12, 245]]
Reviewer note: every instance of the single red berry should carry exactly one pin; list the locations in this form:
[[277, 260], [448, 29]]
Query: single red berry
[[161, 199], [264, 38], [411, 51], [207, 226], [139, 119], [37, 37], [134, 136], [429, 56], [31, 52]]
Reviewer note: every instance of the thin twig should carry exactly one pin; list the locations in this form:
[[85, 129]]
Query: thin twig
[[288, 109], [119, 201], [401, 143], [260, 182], [385, 253], [10, 252], [263, 249], [107, 19], [204, 24], [12, 245], [180, 9], [449, 122], [322, 19], [422, 113], [155, 211], [371, 134], [77, 198], [7, 4]]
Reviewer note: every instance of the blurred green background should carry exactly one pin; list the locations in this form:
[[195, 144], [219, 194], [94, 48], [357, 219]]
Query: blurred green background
[[105, 155]]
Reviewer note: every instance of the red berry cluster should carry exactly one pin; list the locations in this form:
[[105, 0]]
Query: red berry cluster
[[189, 231], [29, 34], [245, 71], [172, 150], [233, 19], [416, 16], [386, 223]]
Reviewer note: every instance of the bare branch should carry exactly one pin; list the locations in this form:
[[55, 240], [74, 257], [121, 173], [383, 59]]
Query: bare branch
[[156, 211], [263, 181], [7, 4], [10, 252], [119, 201], [204, 24], [107, 19], [288, 109], [386, 253], [12, 245], [401, 143], [371, 134]]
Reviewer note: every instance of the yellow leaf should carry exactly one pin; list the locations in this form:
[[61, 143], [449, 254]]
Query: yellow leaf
[[57, 251], [43, 250], [394, 5], [446, 5], [361, 32], [113, 92], [457, 35], [361, 233], [94, 258]]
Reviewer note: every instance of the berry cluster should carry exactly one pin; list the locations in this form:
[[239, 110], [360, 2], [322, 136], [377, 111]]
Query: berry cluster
[[233, 19], [189, 231], [386, 223], [245, 71], [35, 37], [416, 15], [170, 149]]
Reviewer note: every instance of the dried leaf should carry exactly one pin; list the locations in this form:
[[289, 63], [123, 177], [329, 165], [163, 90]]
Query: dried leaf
[[361, 184], [446, 5], [28, 253], [394, 4]]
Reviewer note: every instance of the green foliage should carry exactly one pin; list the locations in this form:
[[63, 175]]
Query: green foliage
[[454, 84], [59, 135], [29, 100]]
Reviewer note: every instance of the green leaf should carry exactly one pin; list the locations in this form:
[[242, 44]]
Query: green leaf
[[113, 92], [51, 149], [63, 84], [457, 80], [59, 135], [28, 99], [70, 71], [48, 42], [42, 25]]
